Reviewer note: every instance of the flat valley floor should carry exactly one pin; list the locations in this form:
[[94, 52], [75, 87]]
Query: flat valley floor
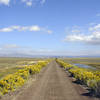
[[53, 83]]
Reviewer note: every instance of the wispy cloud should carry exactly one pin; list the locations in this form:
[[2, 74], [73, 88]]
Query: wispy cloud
[[5, 2], [10, 46], [14, 50], [43, 1], [93, 36], [98, 15], [25, 28], [31, 2], [28, 3]]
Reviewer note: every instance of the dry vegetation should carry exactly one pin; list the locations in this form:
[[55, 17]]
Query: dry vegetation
[[94, 62], [11, 65]]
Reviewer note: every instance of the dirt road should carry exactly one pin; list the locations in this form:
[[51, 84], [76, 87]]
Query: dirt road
[[53, 84]]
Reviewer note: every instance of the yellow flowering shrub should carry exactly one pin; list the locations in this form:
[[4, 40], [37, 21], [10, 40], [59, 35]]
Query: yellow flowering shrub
[[13, 81], [64, 65], [84, 76]]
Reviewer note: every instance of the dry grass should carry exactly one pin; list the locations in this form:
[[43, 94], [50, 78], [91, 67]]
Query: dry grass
[[94, 62], [10, 65]]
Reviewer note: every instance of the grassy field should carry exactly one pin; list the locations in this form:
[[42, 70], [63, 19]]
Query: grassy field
[[11, 65], [94, 62]]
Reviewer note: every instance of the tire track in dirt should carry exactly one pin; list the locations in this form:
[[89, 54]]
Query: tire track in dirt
[[53, 84]]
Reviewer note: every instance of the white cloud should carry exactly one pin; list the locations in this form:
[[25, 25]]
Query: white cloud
[[29, 3], [15, 27], [74, 37], [95, 28], [32, 28], [92, 38], [5, 2], [6, 30]]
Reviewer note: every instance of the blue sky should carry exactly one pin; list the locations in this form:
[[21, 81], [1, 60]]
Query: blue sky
[[50, 27]]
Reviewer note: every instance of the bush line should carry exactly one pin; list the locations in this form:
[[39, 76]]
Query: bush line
[[12, 81], [84, 76]]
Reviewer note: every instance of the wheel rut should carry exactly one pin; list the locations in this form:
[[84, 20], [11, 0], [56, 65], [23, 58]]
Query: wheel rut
[[52, 84]]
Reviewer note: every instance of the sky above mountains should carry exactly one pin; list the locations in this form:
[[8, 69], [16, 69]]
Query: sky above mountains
[[50, 27]]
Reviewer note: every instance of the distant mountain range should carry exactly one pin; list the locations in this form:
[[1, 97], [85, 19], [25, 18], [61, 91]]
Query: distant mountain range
[[47, 56]]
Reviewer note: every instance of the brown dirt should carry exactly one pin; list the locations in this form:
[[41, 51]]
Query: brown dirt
[[53, 83]]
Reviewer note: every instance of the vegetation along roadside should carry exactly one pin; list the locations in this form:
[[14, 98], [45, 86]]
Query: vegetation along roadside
[[90, 78], [13, 81]]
